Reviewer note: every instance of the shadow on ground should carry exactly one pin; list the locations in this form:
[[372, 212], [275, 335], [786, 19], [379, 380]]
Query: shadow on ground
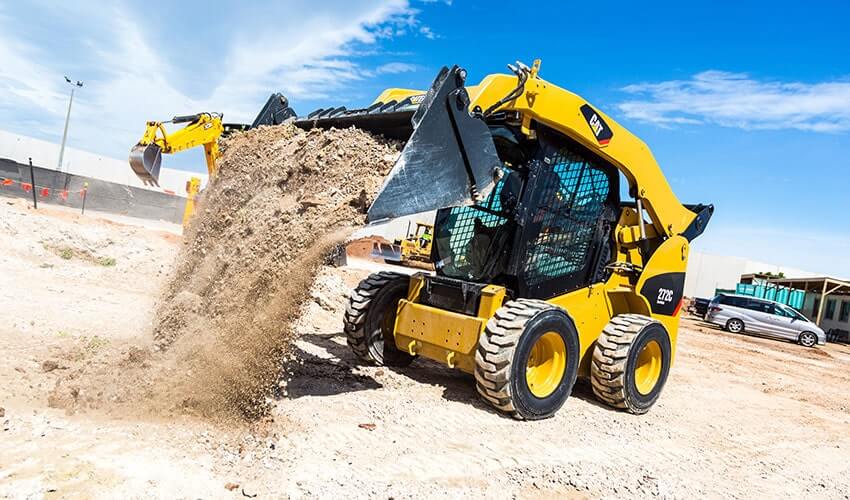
[[311, 375], [317, 376]]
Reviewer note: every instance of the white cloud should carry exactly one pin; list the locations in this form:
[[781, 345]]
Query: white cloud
[[395, 67], [427, 32], [305, 50], [738, 100], [22, 80]]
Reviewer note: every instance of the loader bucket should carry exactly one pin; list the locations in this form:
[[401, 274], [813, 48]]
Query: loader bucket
[[146, 160], [391, 119], [448, 160]]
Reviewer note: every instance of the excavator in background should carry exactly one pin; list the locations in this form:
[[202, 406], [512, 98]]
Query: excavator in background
[[412, 250], [543, 274], [201, 129]]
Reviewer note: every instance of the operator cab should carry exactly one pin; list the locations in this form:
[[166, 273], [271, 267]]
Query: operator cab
[[547, 226]]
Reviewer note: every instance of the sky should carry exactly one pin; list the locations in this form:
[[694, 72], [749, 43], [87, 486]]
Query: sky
[[745, 105]]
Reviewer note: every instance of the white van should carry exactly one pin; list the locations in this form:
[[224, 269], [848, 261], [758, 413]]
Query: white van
[[739, 314]]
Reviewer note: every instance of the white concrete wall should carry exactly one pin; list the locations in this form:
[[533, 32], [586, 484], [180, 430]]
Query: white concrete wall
[[707, 272], [46, 154]]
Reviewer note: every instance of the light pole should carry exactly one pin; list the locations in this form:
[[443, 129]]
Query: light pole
[[67, 119]]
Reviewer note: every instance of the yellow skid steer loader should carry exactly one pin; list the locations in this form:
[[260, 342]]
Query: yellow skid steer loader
[[543, 274]]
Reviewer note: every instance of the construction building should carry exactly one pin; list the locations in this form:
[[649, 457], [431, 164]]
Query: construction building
[[827, 300]]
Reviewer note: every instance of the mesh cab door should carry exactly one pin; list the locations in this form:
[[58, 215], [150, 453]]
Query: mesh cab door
[[565, 228]]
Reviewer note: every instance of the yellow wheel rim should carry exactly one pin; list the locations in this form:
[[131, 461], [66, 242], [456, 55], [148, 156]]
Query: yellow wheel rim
[[547, 363], [648, 367]]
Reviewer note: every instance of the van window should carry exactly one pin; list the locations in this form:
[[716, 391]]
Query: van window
[[794, 314], [788, 312], [731, 300], [781, 311], [757, 305]]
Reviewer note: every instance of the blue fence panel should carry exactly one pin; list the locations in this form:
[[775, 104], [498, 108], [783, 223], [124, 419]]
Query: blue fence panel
[[788, 296]]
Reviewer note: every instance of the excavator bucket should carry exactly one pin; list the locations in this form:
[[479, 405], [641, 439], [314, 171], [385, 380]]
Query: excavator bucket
[[146, 160], [449, 158]]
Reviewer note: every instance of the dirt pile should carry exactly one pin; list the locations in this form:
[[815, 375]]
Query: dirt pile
[[282, 200]]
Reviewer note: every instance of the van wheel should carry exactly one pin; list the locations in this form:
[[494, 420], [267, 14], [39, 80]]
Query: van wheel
[[735, 325], [808, 339]]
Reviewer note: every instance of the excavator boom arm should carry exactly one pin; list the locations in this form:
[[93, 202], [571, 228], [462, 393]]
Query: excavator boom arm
[[204, 129]]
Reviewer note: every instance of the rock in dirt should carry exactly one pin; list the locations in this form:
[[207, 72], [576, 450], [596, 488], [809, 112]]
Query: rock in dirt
[[282, 200], [136, 356], [49, 365], [2, 412], [231, 486]]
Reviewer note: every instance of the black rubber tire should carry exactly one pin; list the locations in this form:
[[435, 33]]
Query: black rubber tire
[[502, 356], [615, 356], [365, 320], [806, 344], [743, 326]]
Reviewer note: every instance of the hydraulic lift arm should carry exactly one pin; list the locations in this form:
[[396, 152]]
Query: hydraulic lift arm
[[566, 112]]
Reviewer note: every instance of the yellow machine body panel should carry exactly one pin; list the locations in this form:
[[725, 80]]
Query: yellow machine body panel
[[671, 258], [444, 336], [451, 338], [396, 94]]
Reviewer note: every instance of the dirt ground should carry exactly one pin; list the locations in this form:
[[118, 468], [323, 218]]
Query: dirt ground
[[740, 416]]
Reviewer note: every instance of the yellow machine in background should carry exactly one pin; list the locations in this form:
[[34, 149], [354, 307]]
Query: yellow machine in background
[[543, 274], [203, 129], [415, 247], [193, 187]]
